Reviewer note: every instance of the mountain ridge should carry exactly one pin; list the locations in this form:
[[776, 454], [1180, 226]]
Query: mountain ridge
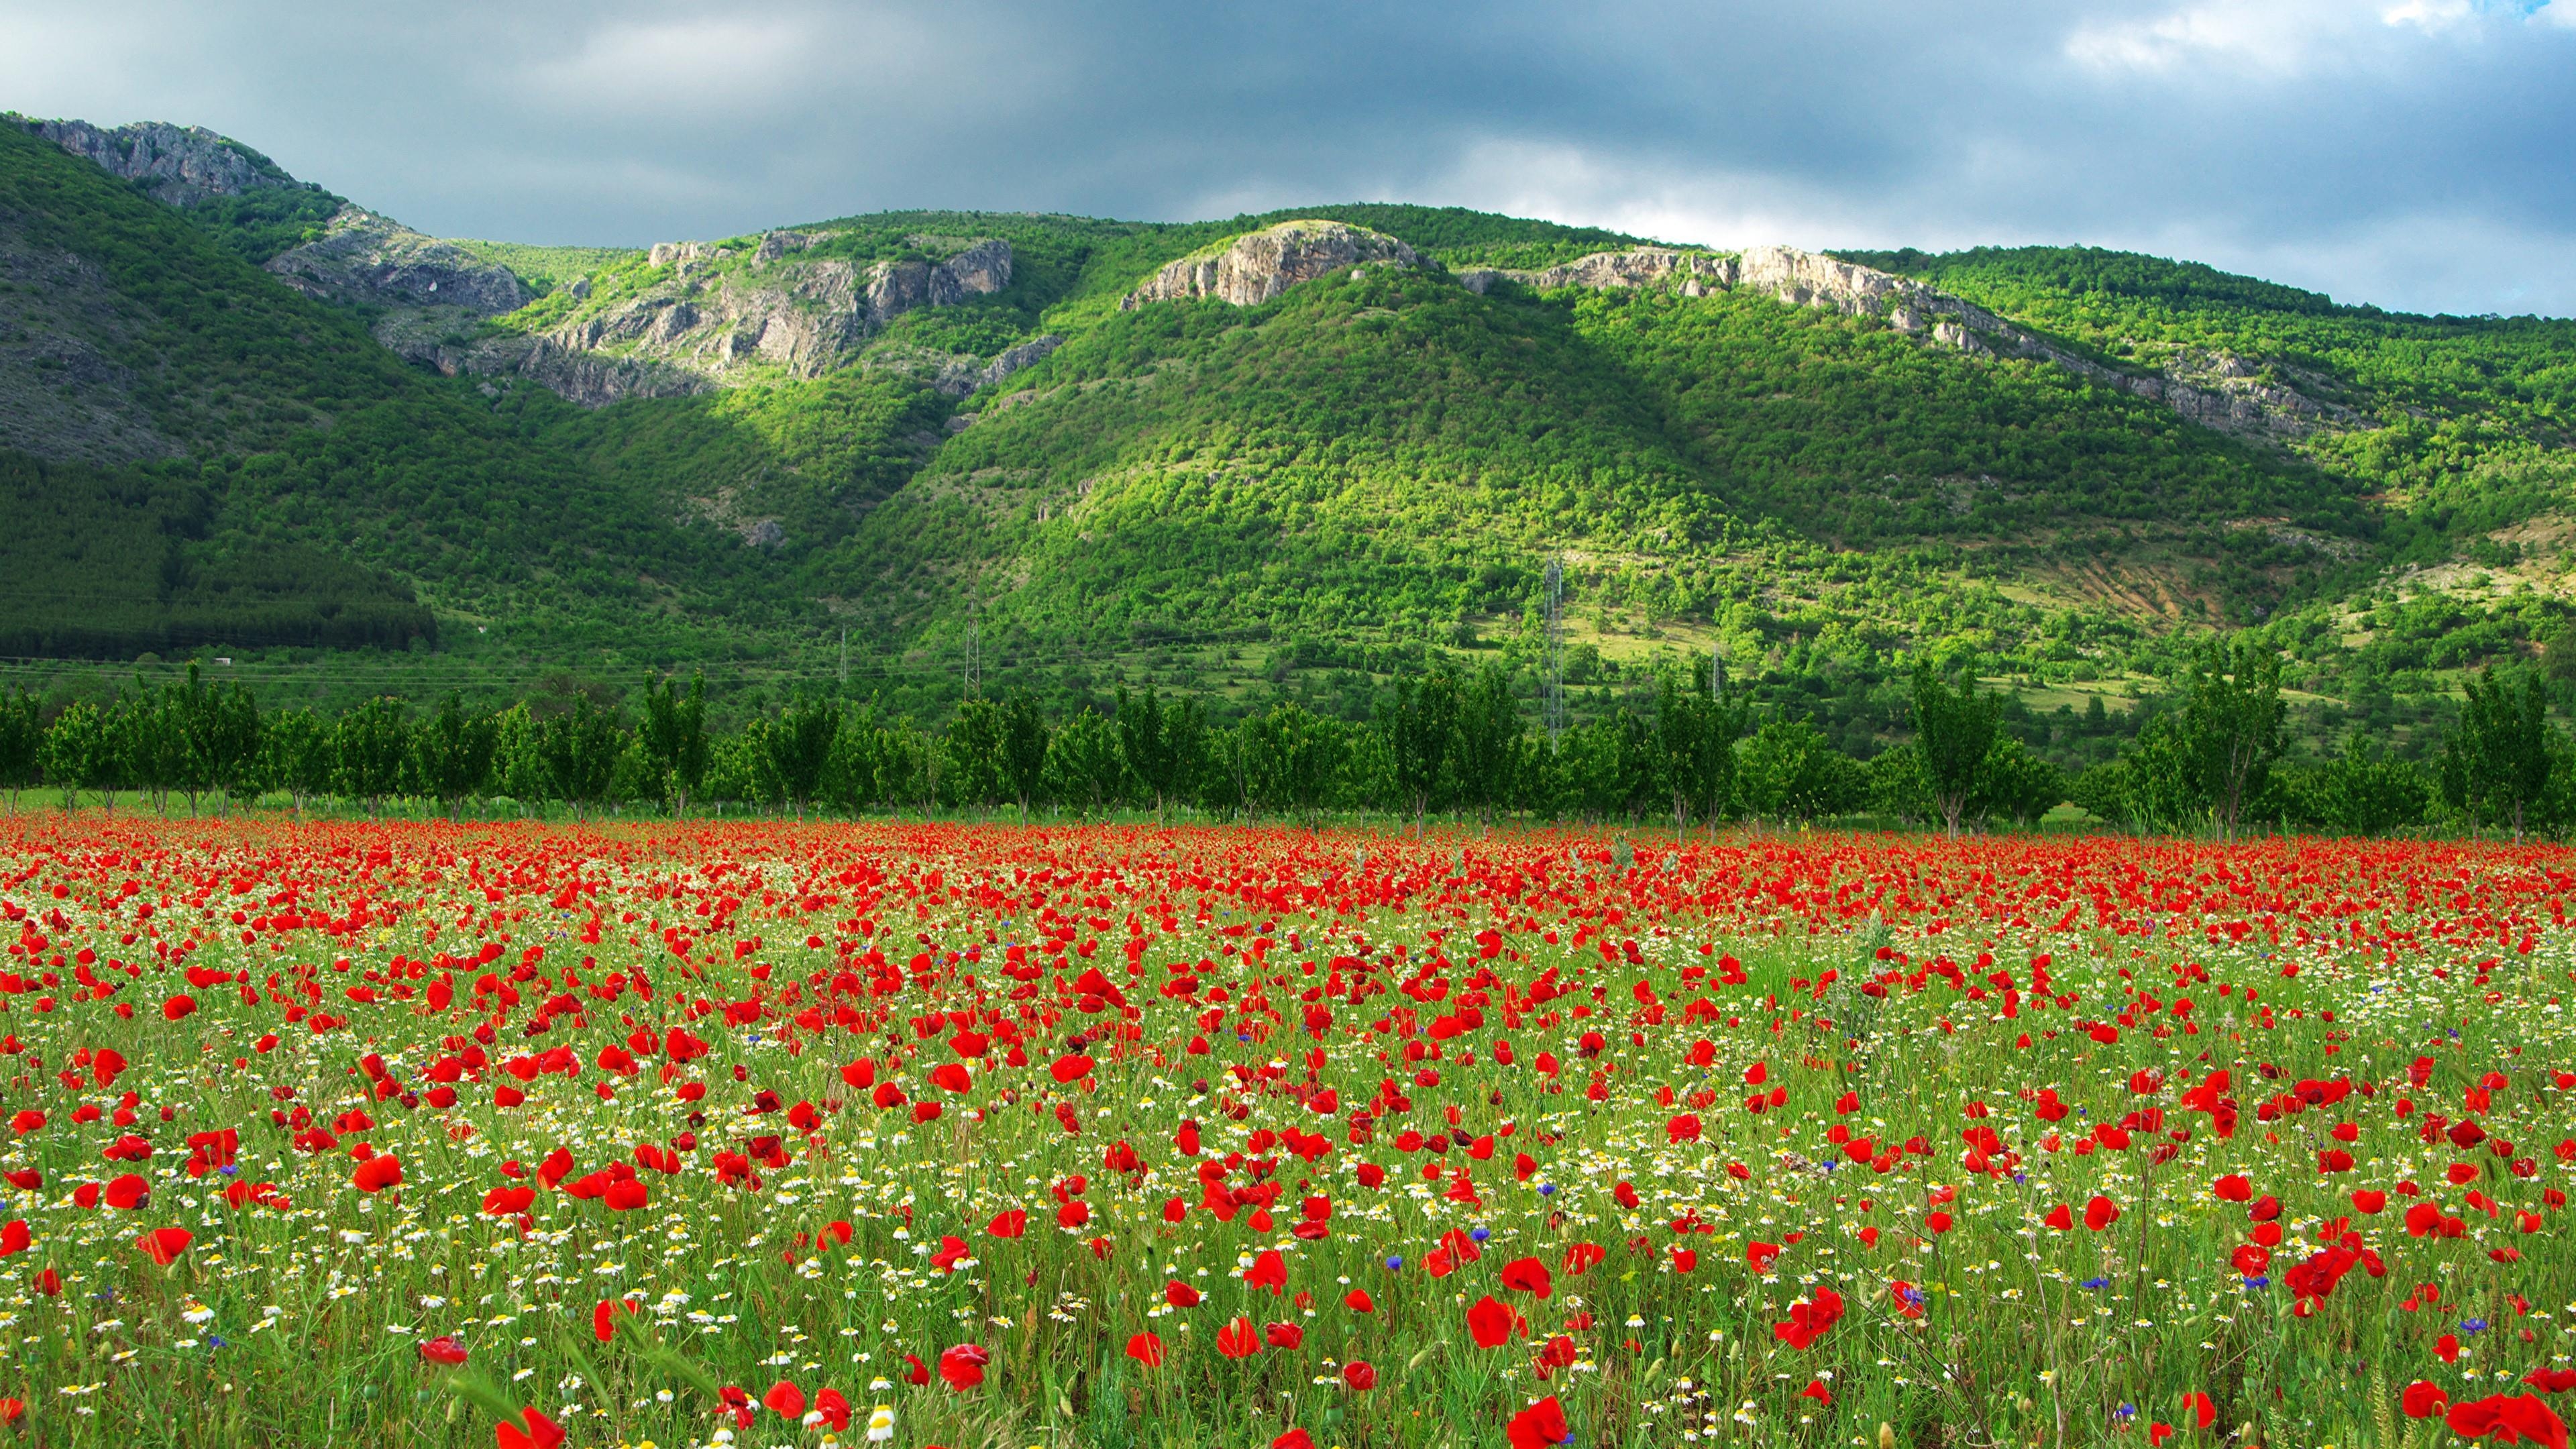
[[1348, 429]]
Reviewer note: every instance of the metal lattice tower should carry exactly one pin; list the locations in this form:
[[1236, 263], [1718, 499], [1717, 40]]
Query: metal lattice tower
[[1555, 649]]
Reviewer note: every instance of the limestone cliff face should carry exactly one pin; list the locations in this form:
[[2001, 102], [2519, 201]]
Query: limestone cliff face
[[363, 257], [1642, 266], [2215, 390], [1258, 266], [702, 316], [178, 165]]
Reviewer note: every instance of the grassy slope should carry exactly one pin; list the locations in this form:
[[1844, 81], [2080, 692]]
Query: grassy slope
[[1359, 461], [309, 442], [2468, 448]]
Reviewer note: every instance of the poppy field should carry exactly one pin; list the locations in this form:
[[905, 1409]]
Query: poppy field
[[981, 1136]]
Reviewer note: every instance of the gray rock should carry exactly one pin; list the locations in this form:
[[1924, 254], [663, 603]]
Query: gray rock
[[178, 165], [1258, 266], [2218, 391], [364, 257], [1641, 266], [1027, 354]]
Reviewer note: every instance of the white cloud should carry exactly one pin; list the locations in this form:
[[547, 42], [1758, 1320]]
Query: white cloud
[[2428, 15], [706, 65], [2278, 39], [2557, 12]]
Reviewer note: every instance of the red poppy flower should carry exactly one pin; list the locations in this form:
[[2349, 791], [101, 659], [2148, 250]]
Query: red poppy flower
[[1490, 1322], [1540, 1426], [1146, 1349], [2519, 1419], [1238, 1339], [1009, 1224], [443, 1349], [785, 1400], [533, 1431], [1526, 1275], [1283, 1335], [963, 1366], [164, 1245], [1359, 1374], [1810, 1320], [2100, 1213]]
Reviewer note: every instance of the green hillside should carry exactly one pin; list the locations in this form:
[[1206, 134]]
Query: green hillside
[[1302, 497]]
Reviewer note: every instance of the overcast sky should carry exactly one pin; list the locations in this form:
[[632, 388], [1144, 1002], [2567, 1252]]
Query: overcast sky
[[2413, 153]]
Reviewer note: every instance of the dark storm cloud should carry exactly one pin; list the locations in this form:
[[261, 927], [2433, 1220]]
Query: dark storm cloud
[[2408, 152]]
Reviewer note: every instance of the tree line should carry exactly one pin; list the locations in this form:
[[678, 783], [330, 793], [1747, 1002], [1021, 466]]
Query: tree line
[[1450, 744]]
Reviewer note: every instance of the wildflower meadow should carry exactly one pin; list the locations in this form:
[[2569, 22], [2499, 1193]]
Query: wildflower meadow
[[434, 1134]]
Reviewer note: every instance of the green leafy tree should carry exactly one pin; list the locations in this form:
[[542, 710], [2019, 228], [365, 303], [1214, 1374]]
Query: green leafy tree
[[370, 750], [2154, 786], [452, 753], [1024, 749], [799, 745], [579, 750], [674, 735], [1895, 785], [228, 739], [519, 758], [296, 745], [22, 744], [1314, 750], [1153, 757], [1420, 724], [1787, 770], [974, 747], [2363, 792], [2231, 723], [1084, 768], [2498, 761], [1487, 745], [1954, 728], [2017, 784], [81, 749], [854, 777]]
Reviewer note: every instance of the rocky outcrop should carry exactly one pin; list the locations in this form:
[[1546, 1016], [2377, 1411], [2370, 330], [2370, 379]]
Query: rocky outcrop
[[364, 257], [2222, 392], [177, 165], [709, 315], [895, 288], [1642, 266], [438, 340], [956, 375], [1258, 266], [2216, 390]]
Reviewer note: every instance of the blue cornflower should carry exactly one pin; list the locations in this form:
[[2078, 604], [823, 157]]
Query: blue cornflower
[[1395, 1263], [214, 1341], [2259, 1280], [2126, 1411], [2473, 1325], [1547, 1189], [2097, 1282], [1480, 1234]]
